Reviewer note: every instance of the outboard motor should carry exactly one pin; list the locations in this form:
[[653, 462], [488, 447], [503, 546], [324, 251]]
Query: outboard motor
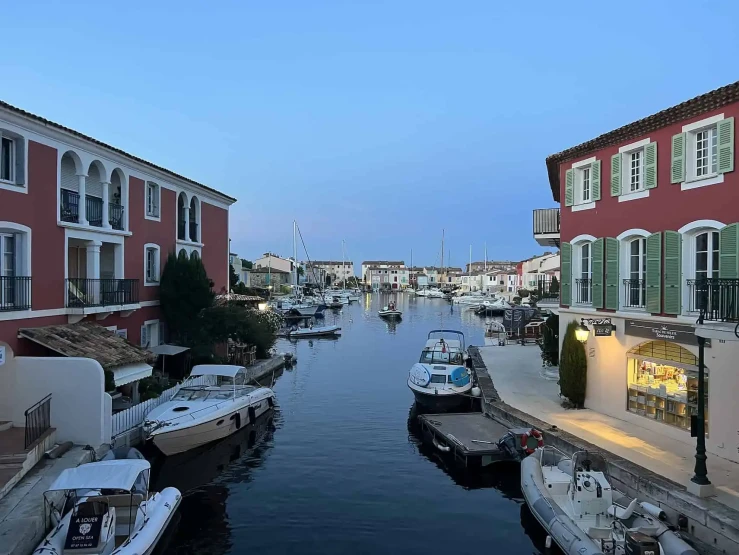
[[91, 527], [641, 544]]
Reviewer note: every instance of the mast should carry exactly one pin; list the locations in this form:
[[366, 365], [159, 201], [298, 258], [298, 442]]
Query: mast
[[343, 270], [469, 269], [295, 257], [486, 256], [441, 272]]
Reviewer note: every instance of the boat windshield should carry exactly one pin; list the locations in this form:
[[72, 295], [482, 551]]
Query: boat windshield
[[431, 356], [584, 461], [202, 393]]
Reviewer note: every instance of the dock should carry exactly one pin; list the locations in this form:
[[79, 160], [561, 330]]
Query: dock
[[470, 437]]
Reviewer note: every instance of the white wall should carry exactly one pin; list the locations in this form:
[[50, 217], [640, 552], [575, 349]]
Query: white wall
[[7, 384], [607, 384], [79, 411]]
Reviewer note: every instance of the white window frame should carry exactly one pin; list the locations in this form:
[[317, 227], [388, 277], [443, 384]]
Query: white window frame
[[577, 245], [693, 181], [158, 194], [577, 168], [147, 248], [150, 325], [13, 148], [689, 232], [22, 246]]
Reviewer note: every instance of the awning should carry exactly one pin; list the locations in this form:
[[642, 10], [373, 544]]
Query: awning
[[115, 474], [227, 370], [168, 350], [130, 373]]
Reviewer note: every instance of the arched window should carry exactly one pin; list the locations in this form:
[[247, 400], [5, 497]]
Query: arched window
[[194, 231], [635, 282], [700, 261], [194, 255], [583, 272], [15, 266]]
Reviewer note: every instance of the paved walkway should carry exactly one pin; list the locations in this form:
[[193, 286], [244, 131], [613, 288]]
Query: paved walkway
[[519, 379]]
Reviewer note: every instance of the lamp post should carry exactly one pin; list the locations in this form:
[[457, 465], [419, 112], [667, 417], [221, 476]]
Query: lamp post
[[698, 425], [582, 332]]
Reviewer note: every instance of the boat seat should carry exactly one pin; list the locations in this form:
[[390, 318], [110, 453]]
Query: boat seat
[[565, 465], [621, 513], [600, 532], [126, 506]]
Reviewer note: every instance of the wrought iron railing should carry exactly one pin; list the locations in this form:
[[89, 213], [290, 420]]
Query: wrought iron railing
[[546, 221], [635, 293], [547, 289], [115, 216], [193, 231], [717, 299], [83, 292], [38, 420], [94, 210], [15, 293], [69, 211], [181, 230], [583, 291]]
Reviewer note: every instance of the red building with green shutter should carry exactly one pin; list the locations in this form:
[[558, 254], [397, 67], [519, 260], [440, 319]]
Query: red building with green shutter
[[648, 228]]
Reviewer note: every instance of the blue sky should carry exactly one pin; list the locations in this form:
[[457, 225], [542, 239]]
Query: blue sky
[[375, 122]]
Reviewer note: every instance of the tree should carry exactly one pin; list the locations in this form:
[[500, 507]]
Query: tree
[[185, 291], [550, 341], [573, 367], [243, 325], [233, 277], [554, 286], [301, 271], [247, 264]]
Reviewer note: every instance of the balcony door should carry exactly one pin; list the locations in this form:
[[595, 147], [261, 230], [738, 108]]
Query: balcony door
[[7, 270], [706, 268]]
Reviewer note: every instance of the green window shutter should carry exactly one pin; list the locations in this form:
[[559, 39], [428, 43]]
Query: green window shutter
[[611, 273], [654, 273], [569, 187], [597, 277], [673, 271], [677, 167], [650, 166], [595, 178], [616, 174], [726, 145], [565, 280], [728, 265]]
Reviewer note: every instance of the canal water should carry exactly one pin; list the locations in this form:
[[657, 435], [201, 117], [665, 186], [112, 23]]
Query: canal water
[[340, 468]]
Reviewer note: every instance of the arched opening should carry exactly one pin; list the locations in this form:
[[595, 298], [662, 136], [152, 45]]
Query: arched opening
[[194, 214], [663, 382], [582, 272], [94, 194], [194, 255], [116, 194], [182, 254], [70, 169], [182, 207]]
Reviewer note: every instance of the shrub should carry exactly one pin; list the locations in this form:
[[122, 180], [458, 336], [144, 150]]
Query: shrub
[[573, 366], [550, 341], [554, 286], [150, 388], [241, 324]]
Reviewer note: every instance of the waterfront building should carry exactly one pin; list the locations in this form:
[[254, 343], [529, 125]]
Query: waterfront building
[[313, 275], [379, 264], [489, 266], [266, 277], [648, 222], [276, 262], [337, 271], [387, 277]]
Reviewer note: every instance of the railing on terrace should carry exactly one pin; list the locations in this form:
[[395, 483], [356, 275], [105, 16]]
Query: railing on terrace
[[583, 291], [193, 231], [38, 420], [15, 293], [181, 230], [718, 299], [635, 292], [115, 216], [94, 210], [83, 292], [134, 416], [70, 208], [547, 289], [546, 221]]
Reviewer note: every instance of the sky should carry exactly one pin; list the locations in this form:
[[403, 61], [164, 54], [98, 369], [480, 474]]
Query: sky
[[380, 123]]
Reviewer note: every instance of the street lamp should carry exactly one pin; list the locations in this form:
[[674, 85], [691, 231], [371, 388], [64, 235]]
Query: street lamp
[[698, 422], [582, 332], [262, 306]]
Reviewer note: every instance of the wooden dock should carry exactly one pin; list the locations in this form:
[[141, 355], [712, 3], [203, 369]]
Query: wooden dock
[[470, 437]]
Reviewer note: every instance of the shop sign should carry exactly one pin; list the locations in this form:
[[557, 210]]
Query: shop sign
[[679, 333], [603, 330]]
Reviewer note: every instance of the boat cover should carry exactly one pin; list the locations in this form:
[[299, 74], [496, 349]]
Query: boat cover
[[115, 474], [228, 370]]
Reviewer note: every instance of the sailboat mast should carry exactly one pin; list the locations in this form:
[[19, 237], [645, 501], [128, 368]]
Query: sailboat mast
[[295, 256], [486, 256], [469, 269], [410, 274], [343, 270], [442, 250]]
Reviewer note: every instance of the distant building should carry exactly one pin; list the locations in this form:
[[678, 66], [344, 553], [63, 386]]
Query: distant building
[[313, 275], [336, 270], [235, 262], [489, 266], [271, 260], [391, 277], [264, 277], [379, 264]]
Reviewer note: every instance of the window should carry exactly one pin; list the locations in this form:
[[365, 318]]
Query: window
[[706, 152], [635, 177], [7, 159], [706, 255], [150, 334], [152, 200], [636, 283], [7, 255], [584, 273], [151, 264]]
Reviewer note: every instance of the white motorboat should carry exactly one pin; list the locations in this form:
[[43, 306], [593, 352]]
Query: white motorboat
[[112, 511], [573, 500], [491, 307], [201, 413], [305, 309], [314, 331], [434, 294], [440, 380], [390, 312]]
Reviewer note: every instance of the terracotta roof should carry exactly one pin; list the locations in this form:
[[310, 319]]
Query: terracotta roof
[[712, 100], [383, 262], [50, 123], [328, 263], [88, 340]]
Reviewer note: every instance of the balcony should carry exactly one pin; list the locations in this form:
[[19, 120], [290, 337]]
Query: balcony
[[88, 293], [583, 291], [115, 216], [717, 299], [194, 232], [635, 293], [547, 290], [15, 293], [70, 208], [546, 227], [181, 230], [94, 210]]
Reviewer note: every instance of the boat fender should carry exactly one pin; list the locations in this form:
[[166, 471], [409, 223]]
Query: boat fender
[[533, 433], [237, 420], [440, 447], [476, 391], [653, 510], [252, 415]]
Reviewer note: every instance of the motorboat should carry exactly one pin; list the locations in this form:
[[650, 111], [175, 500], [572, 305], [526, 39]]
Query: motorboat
[[434, 294], [199, 413], [313, 331], [305, 309], [336, 303], [493, 308], [390, 312], [440, 380], [573, 500], [495, 334], [106, 508]]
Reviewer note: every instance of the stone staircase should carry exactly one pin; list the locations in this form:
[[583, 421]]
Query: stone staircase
[[15, 460]]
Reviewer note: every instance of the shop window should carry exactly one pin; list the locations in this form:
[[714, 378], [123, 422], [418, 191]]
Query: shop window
[[663, 383]]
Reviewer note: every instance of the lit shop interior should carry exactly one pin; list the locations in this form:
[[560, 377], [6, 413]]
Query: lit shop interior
[[663, 383]]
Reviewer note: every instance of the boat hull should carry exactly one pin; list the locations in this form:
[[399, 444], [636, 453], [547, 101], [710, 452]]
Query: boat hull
[[185, 439], [439, 403], [390, 314]]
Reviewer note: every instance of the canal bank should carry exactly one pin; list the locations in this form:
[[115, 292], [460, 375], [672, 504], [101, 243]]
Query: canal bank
[[712, 526]]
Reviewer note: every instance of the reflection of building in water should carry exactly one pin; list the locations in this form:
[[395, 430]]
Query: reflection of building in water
[[202, 510]]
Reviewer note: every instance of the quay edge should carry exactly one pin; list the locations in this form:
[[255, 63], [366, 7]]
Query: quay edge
[[713, 528]]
